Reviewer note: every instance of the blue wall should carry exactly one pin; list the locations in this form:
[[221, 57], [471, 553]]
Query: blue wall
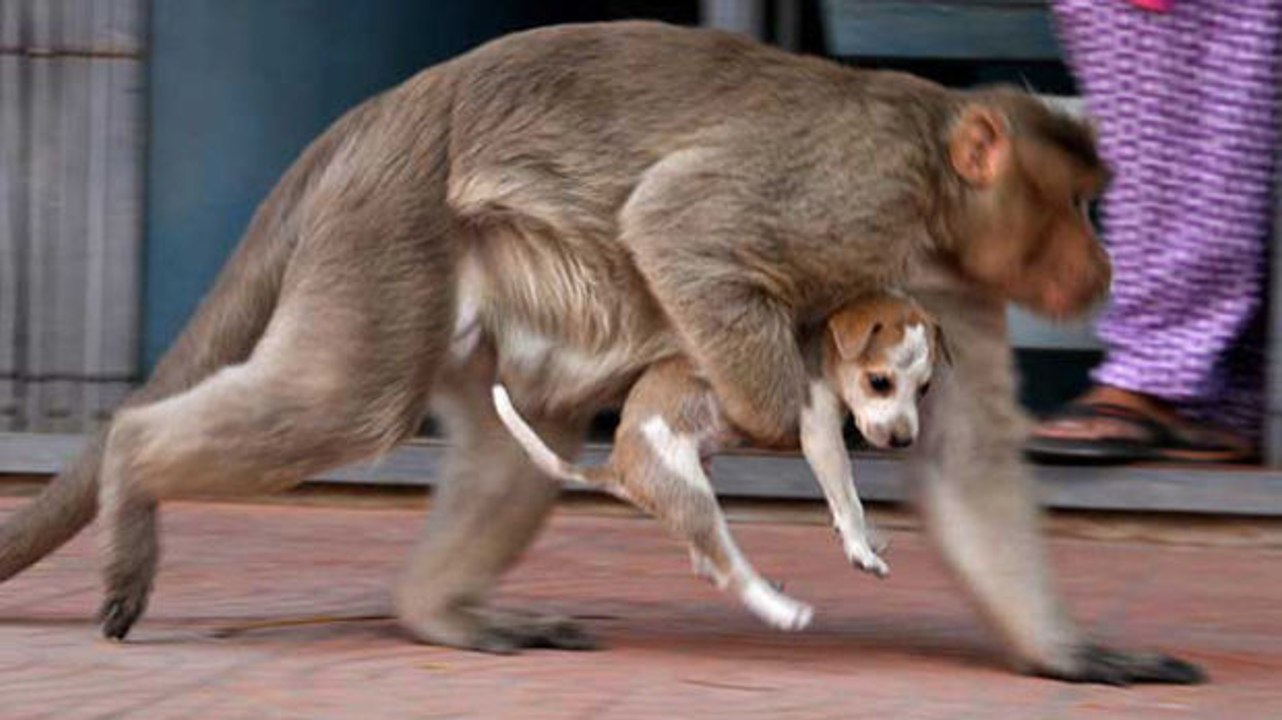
[[238, 88]]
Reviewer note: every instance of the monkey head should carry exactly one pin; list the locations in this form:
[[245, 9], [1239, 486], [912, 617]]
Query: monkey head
[[880, 355], [1023, 177]]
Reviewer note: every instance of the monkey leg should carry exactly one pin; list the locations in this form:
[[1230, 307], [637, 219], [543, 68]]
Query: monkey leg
[[342, 373], [490, 507], [734, 324], [980, 507]]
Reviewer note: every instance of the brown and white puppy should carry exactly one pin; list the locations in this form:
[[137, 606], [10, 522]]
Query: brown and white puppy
[[876, 355]]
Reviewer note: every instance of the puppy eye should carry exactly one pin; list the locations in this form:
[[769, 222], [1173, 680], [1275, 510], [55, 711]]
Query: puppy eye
[[921, 391], [880, 384]]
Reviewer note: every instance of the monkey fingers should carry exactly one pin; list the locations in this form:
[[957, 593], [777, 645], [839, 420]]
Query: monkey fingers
[[740, 334], [120, 611], [1102, 665], [531, 630], [130, 534]]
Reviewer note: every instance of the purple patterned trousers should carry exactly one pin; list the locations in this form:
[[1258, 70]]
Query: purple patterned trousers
[[1187, 107]]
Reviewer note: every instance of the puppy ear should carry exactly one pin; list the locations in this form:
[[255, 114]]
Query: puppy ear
[[979, 145], [851, 331]]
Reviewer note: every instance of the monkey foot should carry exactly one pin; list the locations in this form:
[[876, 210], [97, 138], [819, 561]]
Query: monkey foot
[[504, 632], [119, 612], [507, 639], [550, 633], [1097, 664]]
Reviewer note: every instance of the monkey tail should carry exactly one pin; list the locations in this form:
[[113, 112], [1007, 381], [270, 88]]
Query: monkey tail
[[64, 507], [223, 331], [539, 453]]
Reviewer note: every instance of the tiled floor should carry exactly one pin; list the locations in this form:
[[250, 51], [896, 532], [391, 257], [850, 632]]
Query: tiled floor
[[280, 612]]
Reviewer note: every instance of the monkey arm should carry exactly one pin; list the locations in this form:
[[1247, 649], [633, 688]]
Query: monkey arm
[[743, 341], [980, 505], [694, 228], [977, 498]]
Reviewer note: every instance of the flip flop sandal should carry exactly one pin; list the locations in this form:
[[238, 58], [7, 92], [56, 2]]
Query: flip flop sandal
[[1154, 441]]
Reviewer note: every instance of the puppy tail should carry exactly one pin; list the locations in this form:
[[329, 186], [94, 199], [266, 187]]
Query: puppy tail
[[540, 454]]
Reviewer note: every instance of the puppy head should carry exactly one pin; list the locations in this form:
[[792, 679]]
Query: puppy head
[[880, 355]]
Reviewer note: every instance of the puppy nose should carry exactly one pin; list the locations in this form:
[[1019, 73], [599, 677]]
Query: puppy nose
[[900, 441]]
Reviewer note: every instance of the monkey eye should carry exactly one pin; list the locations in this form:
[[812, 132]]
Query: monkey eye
[[880, 384]]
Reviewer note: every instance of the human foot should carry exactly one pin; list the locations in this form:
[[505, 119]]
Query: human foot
[[1109, 425]]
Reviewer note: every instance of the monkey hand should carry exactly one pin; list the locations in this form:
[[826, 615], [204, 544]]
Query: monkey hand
[[1102, 665]]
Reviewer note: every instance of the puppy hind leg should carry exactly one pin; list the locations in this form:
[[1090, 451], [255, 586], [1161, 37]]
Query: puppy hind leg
[[676, 491], [697, 519]]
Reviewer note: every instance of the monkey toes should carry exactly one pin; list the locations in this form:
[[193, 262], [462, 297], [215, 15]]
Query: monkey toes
[[558, 635], [128, 590], [120, 611], [511, 638], [503, 632], [1098, 664]]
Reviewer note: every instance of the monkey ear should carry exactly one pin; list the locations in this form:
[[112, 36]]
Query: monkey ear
[[979, 145], [851, 332]]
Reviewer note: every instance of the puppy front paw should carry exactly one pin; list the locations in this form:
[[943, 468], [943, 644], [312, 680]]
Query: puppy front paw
[[863, 557]]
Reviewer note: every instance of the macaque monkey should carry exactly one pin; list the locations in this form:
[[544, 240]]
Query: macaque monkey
[[562, 208]]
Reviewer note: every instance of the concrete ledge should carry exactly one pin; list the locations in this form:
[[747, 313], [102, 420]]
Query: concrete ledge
[[941, 29], [1221, 491]]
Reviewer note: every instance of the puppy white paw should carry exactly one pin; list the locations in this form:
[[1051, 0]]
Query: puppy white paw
[[775, 608], [865, 559]]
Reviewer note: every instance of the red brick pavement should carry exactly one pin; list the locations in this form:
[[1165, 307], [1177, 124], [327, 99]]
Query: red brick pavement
[[258, 613]]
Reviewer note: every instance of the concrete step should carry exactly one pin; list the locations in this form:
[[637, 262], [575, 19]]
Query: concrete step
[[1221, 490]]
